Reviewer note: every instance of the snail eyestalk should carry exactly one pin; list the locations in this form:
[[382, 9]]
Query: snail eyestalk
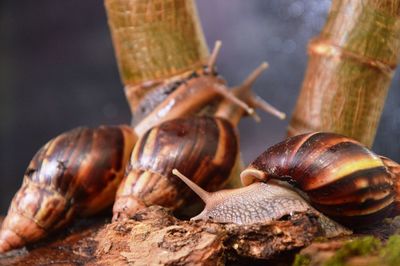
[[214, 56], [244, 93], [256, 101], [260, 103], [204, 195], [221, 89], [249, 81]]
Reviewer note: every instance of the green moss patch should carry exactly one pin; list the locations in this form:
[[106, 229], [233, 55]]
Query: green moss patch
[[301, 260], [390, 254], [358, 247]]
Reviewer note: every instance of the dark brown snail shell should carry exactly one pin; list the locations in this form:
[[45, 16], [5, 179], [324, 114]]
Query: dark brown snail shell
[[204, 148], [76, 173], [339, 176]]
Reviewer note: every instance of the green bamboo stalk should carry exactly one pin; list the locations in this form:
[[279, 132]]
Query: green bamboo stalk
[[154, 40], [350, 69]]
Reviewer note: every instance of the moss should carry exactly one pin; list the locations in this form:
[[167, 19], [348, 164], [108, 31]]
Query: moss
[[359, 247], [390, 254], [301, 260]]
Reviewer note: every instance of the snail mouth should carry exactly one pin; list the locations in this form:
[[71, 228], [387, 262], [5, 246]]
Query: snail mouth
[[126, 207], [251, 175]]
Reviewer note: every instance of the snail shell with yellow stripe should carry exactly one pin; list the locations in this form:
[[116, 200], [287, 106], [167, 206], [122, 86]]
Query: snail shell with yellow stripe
[[326, 172]]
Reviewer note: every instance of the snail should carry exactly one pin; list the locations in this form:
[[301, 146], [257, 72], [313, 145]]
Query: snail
[[182, 95], [204, 147], [329, 174], [76, 173]]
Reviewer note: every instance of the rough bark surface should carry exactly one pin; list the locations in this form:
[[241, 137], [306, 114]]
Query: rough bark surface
[[155, 237], [74, 246]]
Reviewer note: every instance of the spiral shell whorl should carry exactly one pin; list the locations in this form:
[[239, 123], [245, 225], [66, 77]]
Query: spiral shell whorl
[[76, 173], [340, 177], [203, 148]]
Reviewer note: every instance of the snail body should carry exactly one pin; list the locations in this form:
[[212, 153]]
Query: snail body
[[257, 203], [326, 173], [76, 173]]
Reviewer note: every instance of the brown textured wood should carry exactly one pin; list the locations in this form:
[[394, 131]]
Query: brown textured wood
[[74, 246], [154, 237], [350, 69]]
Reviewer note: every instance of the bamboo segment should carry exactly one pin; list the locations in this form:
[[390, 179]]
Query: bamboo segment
[[350, 69], [154, 40]]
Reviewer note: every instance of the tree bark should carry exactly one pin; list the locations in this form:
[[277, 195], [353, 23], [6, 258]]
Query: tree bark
[[350, 69], [155, 237]]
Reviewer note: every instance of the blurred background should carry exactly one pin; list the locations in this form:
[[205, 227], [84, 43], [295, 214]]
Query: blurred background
[[58, 71]]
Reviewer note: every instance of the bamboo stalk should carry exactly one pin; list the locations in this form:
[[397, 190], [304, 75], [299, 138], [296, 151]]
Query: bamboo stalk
[[154, 40], [350, 69]]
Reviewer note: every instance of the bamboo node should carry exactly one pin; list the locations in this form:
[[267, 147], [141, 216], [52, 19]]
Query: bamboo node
[[323, 47]]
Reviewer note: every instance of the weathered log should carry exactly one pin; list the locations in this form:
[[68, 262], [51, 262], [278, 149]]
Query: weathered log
[[155, 237]]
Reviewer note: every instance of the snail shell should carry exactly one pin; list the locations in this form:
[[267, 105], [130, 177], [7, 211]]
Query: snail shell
[[205, 148], [339, 176], [176, 99], [76, 173]]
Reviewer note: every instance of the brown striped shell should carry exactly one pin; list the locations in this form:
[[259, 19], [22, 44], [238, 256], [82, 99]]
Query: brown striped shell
[[339, 176], [76, 173], [174, 98], [203, 148]]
